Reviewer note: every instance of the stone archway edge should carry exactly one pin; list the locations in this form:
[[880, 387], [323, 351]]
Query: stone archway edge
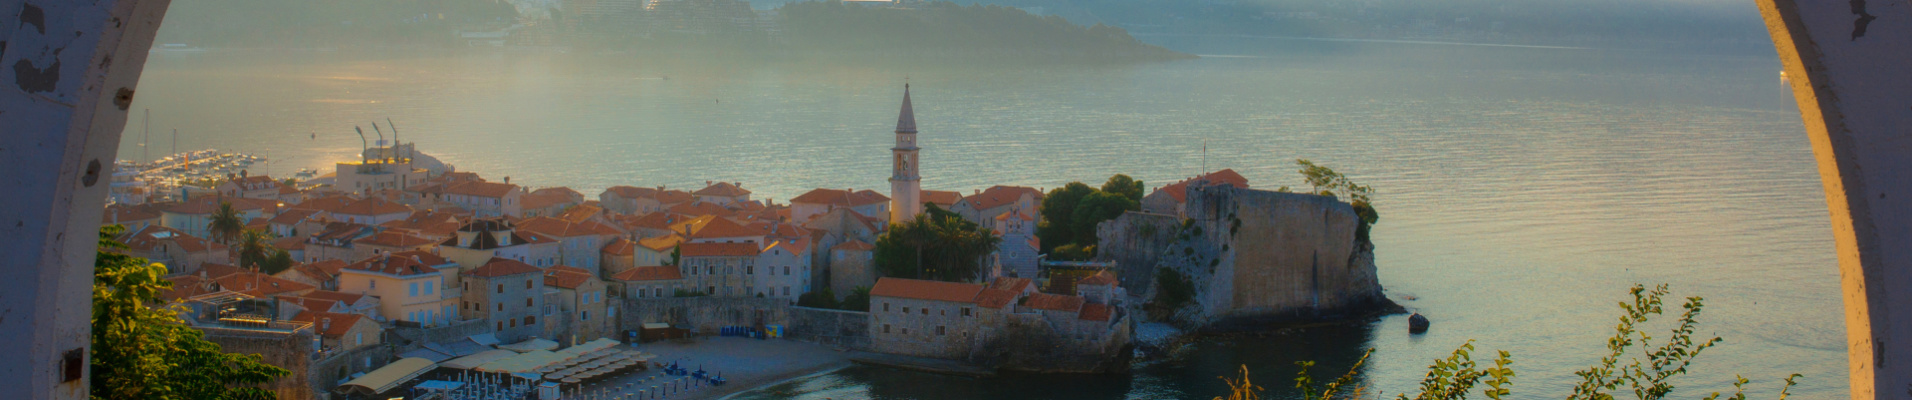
[[68, 70]]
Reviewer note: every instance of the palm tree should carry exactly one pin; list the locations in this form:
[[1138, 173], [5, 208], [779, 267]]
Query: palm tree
[[255, 247], [226, 224]]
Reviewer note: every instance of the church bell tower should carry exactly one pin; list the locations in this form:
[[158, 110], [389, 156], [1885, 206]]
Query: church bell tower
[[906, 187]]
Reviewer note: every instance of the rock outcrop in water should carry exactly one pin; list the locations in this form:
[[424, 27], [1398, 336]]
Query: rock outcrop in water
[[1251, 257]]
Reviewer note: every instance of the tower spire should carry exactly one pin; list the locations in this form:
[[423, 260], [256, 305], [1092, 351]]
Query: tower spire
[[906, 119]]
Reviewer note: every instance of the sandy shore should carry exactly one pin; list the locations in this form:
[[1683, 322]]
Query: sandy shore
[[745, 363]]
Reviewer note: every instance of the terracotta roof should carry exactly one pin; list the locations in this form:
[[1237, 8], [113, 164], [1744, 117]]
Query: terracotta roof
[[1179, 191], [209, 204], [561, 228], [650, 273], [341, 297], [581, 212], [1017, 214], [1095, 312], [701, 209], [620, 247], [942, 197], [854, 244], [372, 206], [293, 216], [631, 192], [327, 203], [393, 264], [1104, 278], [674, 197], [502, 267], [745, 249], [840, 198], [996, 298], [724, 189], [998, 196], [1054, 302], [318, 272], [187, 286], [340, 325], [311, 304], [434, 223], [542, 200], [566, 277], [121, 213], [255, 182], [259, 284], [481, 189], [926, 290], [661, 243], [656, 220], [397, 239], [568, 193], [1011, 284], [154, 235], [722, 228]]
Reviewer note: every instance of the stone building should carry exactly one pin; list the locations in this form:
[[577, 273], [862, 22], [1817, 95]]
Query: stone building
[[649, 282], [580, 244], [508, 294], [720, 269], [722, 193], [852, 265], [251, 187], [340, 332], [983, 206], [1017, 255], [1171, 199], [371, 211], [482, 239], [925, 318], [485, 199], [816, 202], [576, 307], [390, 241], [617, 256], [410, 286], [181, 253]]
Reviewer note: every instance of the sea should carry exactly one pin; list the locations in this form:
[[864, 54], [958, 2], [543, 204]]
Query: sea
[[1522, 189]]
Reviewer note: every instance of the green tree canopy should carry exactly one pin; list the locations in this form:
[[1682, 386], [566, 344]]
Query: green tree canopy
[[858, 300], [937, 245], [1125, 186], [143, 352], [255, 250]]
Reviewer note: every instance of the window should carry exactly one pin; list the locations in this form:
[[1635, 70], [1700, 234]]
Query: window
[[750, 270], [358, 338], [942, 312], [710, 290], [514, 323], [501, 325], [786, 290], [906, 310], [939, 330], [786, 270], [585, 315], [372, 283], [886, 328], [501, 306], [428, 288], [640, 293], [501, 288], [412, 289], [906, 331], [965, 311], [527, 303], [925, 311], [528, 321], [886, 307], [527, 284]]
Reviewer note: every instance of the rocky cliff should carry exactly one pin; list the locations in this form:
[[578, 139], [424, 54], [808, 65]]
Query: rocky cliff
[[1255, 256]]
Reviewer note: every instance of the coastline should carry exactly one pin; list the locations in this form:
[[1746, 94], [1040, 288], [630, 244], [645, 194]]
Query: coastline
[[774, 381]]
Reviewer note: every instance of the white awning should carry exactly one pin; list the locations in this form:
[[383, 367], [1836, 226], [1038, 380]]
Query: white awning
[[475, 360], [389, 376]]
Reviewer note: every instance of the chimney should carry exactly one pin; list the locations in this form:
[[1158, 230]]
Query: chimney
[[242, 173], [507, 180]]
